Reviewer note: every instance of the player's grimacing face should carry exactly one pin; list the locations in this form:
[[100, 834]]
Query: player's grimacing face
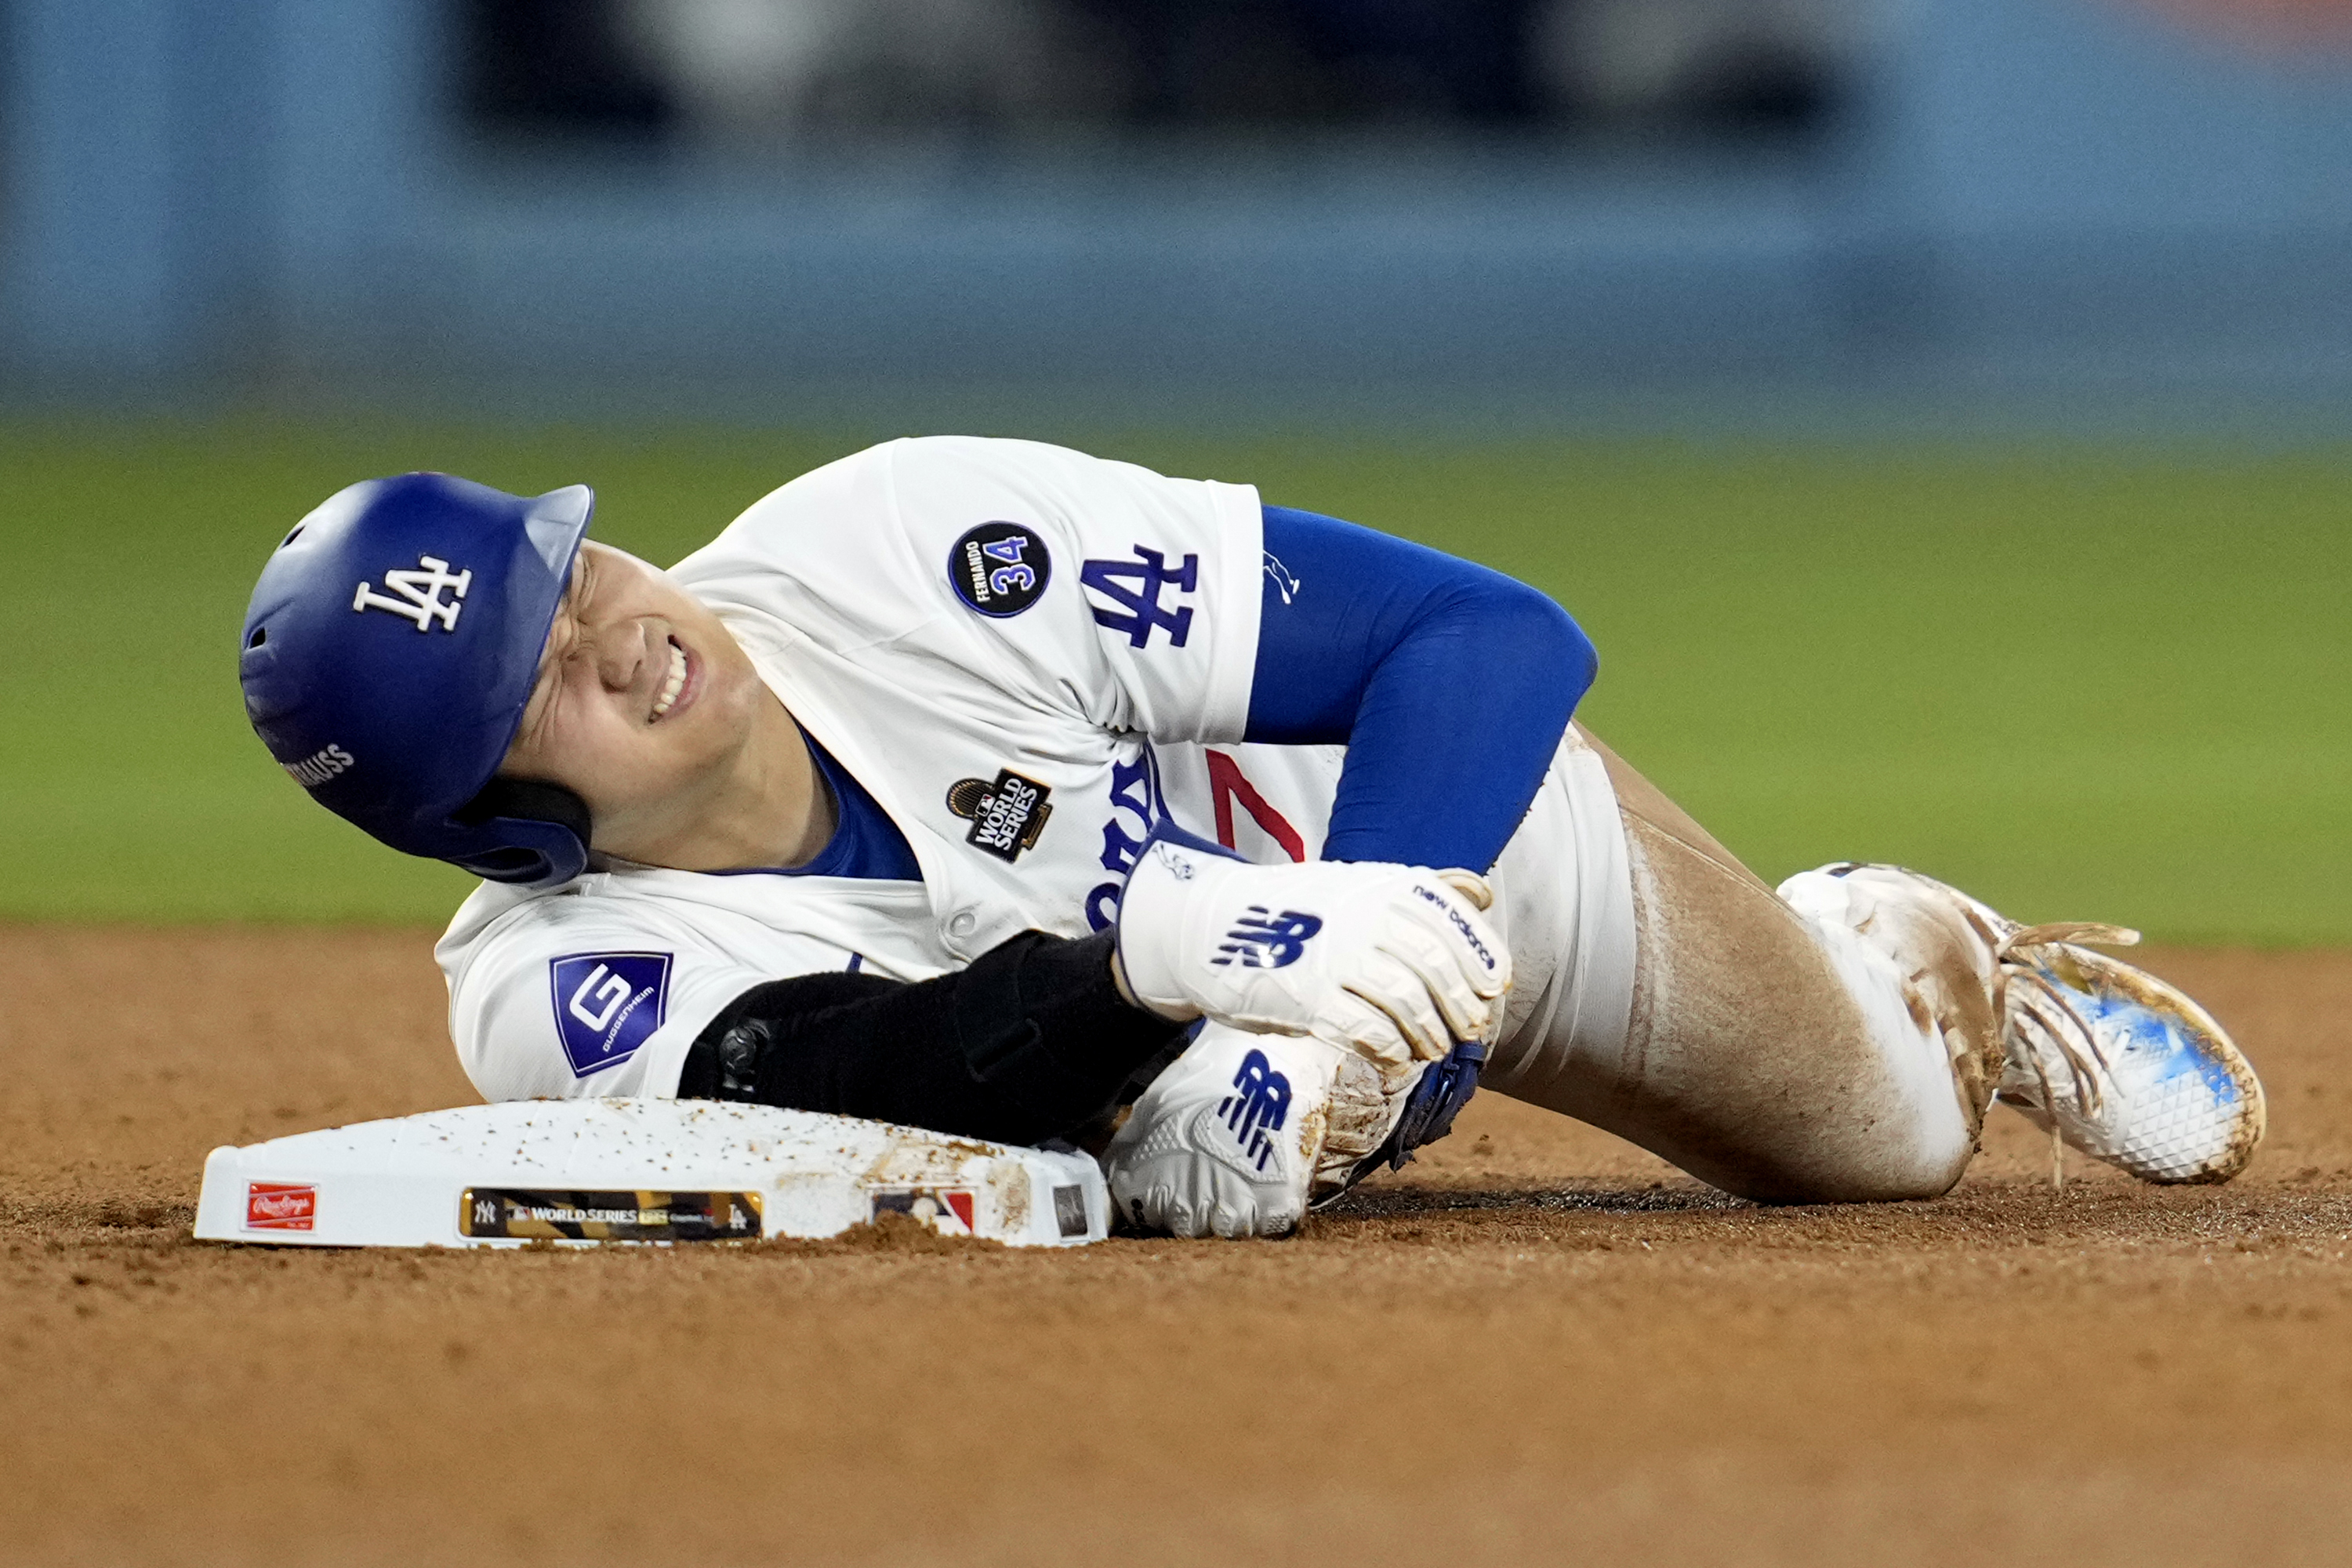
[[642, 693]]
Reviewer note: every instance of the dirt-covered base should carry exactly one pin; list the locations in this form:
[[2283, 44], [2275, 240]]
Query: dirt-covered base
[[1538, 1344]]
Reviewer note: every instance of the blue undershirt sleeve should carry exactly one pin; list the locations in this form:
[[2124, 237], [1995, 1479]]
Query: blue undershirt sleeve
[[1450, 684]]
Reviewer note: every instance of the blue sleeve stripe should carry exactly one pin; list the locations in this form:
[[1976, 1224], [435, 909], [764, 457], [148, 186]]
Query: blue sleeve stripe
[[1449, 683]]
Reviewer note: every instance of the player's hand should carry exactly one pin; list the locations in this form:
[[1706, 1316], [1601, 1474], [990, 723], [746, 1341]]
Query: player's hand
[[1393, 963]]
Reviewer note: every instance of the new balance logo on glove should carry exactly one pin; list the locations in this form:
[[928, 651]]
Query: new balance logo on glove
[[1455, 917], [1261, 941], [1396, 964]]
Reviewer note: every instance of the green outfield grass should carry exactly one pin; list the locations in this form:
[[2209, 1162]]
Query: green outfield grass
[[2093, 684]]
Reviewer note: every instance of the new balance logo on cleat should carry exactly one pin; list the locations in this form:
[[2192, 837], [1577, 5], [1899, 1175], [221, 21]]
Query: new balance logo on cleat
[[1257, 1108], [419, 594], [1262, 941], [1144, 613]]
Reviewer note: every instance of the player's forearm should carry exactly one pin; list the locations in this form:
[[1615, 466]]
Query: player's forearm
[[1028, 1043], [1450, 684]]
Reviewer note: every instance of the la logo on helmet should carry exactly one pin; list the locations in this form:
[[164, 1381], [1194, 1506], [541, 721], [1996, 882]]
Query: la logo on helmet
[[420, 593]]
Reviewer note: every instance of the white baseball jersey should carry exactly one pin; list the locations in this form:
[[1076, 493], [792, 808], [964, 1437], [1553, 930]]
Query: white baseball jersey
[[1028, 657]]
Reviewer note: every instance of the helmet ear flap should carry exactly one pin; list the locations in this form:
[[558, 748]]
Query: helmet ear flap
[[543, 832]]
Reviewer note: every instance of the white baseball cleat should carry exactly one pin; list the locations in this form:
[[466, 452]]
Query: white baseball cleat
[[2124, 1067]]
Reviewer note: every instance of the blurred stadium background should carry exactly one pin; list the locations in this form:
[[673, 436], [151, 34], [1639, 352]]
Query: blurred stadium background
[[1937, 408]]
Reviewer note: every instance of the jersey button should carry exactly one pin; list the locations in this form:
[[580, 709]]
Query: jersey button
[[963, 924]]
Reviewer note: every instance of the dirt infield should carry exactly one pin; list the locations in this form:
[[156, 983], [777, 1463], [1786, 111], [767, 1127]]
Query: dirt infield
[[1537, 1345]]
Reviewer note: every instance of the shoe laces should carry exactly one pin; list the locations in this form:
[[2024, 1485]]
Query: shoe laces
[[2046, 1009]]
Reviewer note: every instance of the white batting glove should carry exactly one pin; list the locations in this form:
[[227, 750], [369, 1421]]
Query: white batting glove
[[1225, 1142], [1244, 1132], [1393, 963]]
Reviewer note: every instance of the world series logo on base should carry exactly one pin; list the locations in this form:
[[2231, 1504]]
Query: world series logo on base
[[540, 1213]]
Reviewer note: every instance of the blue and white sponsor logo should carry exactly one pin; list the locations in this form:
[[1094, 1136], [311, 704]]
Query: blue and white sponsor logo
[[1262, 939], [607, 1004], [1257, 1108], [1000, 569]]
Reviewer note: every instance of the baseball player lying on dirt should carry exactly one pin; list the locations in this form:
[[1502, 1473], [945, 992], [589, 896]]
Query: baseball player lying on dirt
[[997, 789]]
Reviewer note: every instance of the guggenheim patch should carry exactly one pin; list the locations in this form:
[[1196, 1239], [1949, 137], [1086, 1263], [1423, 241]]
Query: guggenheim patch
[[606, 1004]]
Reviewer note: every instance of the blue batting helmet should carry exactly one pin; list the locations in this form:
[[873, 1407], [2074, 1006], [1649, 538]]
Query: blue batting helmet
[[389, 649]]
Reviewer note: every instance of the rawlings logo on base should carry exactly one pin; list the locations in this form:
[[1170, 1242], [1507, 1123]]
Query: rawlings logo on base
[[281, 1205]]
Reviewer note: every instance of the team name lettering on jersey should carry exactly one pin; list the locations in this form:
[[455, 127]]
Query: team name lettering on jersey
[[1006, 817], [1257, 1108], [1140, 612], [607, 1003], [1227, 784], [1134, 794], [419, 591]]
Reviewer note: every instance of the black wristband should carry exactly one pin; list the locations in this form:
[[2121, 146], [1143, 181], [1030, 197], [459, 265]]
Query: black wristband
[[1032, 1041]]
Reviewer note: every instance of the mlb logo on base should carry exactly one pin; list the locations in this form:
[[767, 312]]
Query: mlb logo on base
[[948, 1210], [281, 1205]]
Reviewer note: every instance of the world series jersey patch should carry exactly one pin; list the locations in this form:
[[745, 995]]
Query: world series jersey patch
[[1006, 817]]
